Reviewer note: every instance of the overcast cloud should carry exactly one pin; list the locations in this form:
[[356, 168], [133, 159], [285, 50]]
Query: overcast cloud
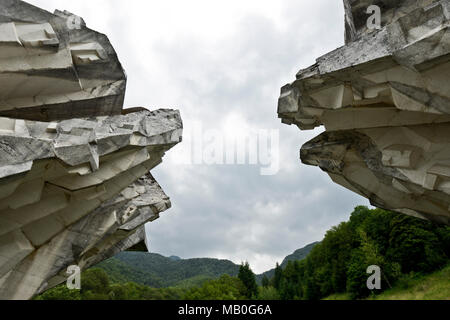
[[222, 63]]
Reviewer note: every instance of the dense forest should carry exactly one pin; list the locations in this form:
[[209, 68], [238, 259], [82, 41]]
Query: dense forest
[[403, 247], [156, 271]]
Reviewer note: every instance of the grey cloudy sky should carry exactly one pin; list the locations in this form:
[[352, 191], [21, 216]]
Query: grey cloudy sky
[[222, 63]]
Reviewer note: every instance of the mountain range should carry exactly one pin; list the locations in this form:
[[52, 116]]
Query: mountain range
[[157, 271], [298, 255]]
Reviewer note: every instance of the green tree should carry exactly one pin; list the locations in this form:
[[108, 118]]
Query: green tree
[[248, 278], [95, 281], [60, 293], [357, 275], [268, 293], [414, 245], [265, 281], [118, 292], [225, 288], [290, 286], [277, 276]]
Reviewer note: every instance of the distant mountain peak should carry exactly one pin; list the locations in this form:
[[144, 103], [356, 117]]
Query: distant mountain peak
[[299, 254], [175, 258]]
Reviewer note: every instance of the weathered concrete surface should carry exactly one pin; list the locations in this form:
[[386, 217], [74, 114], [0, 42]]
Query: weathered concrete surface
[[384, 100], [75, 186], [113, 227], [53, 67]]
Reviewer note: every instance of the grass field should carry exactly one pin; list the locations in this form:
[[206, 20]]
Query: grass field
[[435, 286]]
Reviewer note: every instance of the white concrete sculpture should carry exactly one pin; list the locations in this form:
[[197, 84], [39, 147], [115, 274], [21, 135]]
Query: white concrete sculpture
[[53, 67], [75, 186], [384, 100]]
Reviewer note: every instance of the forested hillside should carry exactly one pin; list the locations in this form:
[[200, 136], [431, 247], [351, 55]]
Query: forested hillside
[[401, 246], [157, 271], [298, 255]]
